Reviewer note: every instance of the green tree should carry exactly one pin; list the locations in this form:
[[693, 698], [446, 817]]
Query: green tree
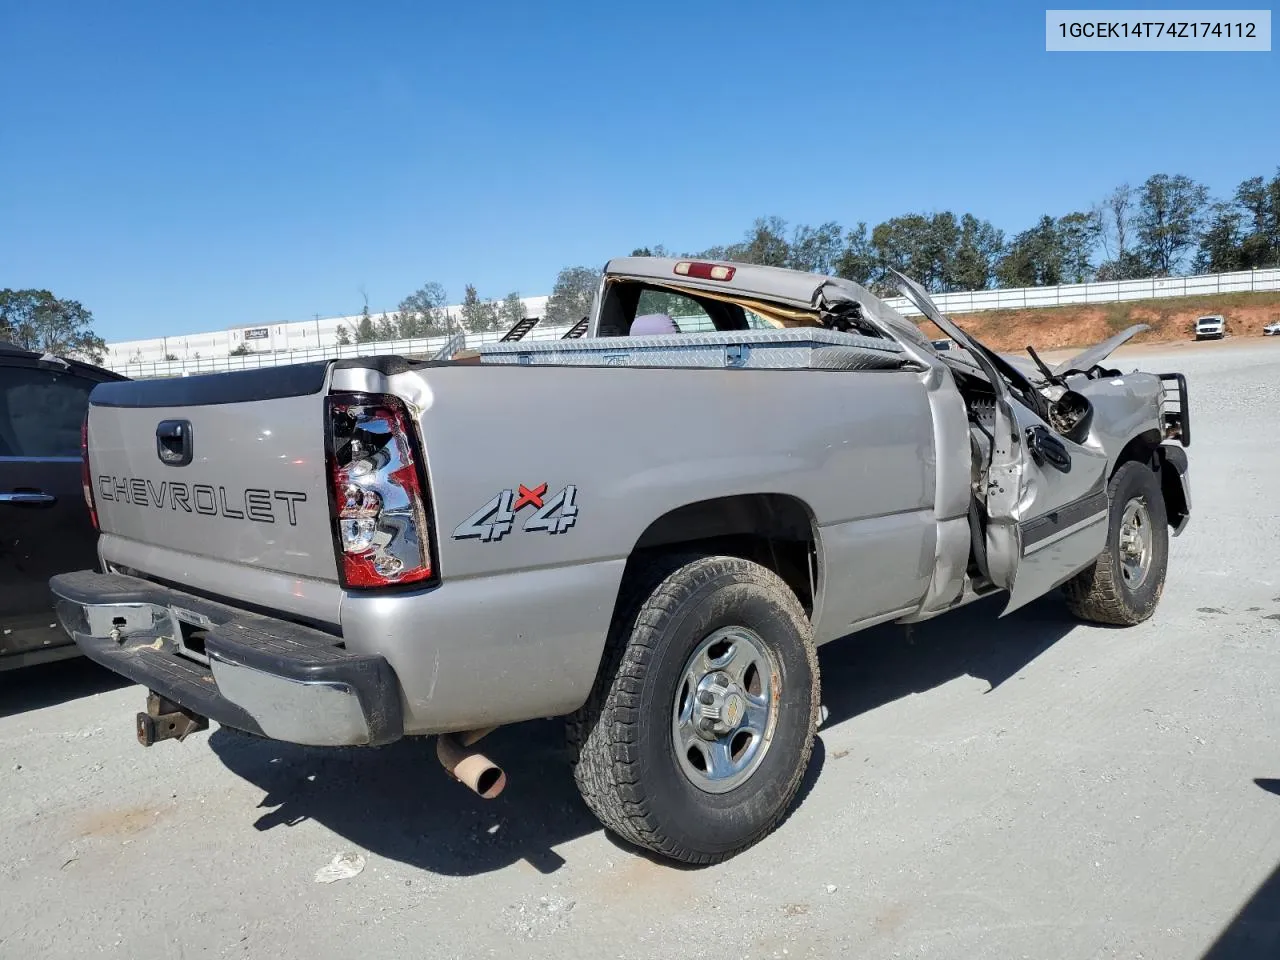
[[421, 314], [571, 297], [1259, 201], [1170, 214], [478, 315], [1127, 266], [1221, 248], [1033, 258], [938, 250], [37, 320], [472, 317], [344, 335], [1129, 234], [655, 251], [388, 326], [1114, 216], [857, 261], [511, 311], [816, 249], [492, 315], [366, 330], [764, 244], [899, 243], [942, 242], [1050, 253], [972, 266], [712, 253], [919, 245], [1077, 236], [242, 350]]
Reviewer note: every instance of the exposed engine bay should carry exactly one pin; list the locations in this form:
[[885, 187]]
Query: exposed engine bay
[[1063, 408], [1054, 395]]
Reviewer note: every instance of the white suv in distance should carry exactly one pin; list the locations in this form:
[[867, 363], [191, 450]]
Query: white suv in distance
[[1214, 327]]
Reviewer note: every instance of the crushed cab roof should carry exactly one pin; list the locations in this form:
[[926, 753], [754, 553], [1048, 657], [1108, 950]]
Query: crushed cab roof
[[810, 290]]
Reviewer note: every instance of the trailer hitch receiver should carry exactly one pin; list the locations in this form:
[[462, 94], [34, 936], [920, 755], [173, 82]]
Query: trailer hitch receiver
[[166, 720]]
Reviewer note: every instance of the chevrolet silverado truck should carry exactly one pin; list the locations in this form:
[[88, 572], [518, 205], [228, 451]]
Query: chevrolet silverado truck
[[647, 531]]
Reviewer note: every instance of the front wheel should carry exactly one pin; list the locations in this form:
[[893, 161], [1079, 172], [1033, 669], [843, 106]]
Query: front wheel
[[1124, 585], [696, 738]]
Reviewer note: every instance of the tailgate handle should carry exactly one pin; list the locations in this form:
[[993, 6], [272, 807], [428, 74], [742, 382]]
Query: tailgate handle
[[173, 442]]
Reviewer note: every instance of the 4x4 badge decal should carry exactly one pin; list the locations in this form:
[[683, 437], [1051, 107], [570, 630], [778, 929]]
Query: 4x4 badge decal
[[533, 496], [493, 521]]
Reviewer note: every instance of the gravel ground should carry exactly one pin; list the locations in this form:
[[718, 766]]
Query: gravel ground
[[1025, 787]]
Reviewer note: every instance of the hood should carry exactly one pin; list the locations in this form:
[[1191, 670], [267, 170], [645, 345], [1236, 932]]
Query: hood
[[1087, 359]]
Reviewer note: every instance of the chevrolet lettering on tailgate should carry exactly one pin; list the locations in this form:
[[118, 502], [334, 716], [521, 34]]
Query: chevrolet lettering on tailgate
[[252, 503]]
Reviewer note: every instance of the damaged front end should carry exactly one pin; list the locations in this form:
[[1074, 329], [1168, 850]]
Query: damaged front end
[[1045, 443]]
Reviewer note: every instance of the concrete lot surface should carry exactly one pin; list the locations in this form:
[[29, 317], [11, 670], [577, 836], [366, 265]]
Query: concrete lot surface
[[1025, 787]]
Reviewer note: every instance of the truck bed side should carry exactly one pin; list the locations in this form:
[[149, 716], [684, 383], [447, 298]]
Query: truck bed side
[[524, 603]]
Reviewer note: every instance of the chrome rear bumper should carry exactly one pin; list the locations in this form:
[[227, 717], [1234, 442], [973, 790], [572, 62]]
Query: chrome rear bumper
[[265, 676]]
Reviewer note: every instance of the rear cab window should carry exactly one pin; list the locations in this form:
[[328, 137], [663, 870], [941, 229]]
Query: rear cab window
[[636, 308]]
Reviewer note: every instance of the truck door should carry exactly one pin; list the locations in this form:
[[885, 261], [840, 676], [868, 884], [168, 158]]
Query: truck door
[[1046, 497], [44, 522]]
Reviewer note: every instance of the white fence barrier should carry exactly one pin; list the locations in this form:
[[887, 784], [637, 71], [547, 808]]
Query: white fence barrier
[[1024, 298], [1030, 298], [423, 347]]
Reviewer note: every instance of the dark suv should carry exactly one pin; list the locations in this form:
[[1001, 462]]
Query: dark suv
[[45, 527]]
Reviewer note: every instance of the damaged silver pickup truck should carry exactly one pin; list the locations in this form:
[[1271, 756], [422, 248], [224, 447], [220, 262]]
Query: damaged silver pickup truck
[[648, 531]]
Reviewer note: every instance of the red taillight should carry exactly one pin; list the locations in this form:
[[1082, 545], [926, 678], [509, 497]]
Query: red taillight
[[86, 482], [380, 512], [704, 271]]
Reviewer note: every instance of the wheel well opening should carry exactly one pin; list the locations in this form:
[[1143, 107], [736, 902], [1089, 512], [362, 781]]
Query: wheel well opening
[[1175, 501], [1148, 448], [774, 530], [1141, 448]]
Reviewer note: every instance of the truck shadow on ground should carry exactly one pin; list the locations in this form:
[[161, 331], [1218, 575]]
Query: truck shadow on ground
[[396, 801], [1255, 930], [888, 662], [48, 684]]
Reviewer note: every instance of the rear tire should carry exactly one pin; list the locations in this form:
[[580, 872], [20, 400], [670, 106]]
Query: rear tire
[[745, 732], [1124, 585]]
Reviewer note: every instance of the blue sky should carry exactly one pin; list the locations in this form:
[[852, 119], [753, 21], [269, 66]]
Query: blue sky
[[186, 167]]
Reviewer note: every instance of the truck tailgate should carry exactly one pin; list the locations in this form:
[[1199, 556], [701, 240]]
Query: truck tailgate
[[229, 467]]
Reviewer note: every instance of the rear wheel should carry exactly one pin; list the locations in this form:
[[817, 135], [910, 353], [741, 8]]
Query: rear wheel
[[696, 738], [1124, 585]]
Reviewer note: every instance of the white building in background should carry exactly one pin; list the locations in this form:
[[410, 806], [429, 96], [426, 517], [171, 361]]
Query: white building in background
[[262, 338]]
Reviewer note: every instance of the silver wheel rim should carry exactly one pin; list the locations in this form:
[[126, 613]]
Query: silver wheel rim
[[725, 710], [1135, 543]]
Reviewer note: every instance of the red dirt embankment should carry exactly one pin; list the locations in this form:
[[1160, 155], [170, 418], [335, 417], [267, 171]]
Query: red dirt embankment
[[1171, 319]]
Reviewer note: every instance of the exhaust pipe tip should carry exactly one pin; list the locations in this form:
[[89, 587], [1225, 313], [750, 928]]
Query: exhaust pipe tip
[[469, 767]]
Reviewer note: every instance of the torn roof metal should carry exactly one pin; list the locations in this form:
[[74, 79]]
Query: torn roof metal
[[807, 290]]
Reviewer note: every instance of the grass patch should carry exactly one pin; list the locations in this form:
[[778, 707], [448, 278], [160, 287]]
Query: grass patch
[[1119, 316]]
